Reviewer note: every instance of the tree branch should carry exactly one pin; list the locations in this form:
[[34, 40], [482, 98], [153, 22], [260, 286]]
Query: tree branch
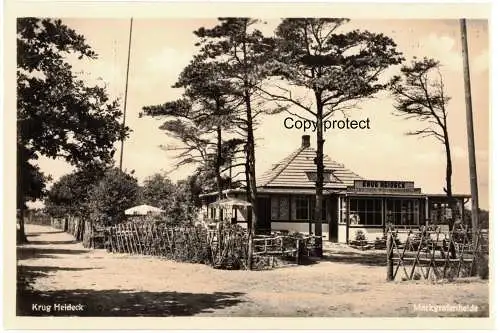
[[287, 99]]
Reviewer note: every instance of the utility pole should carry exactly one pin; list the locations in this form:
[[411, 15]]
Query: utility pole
[[470, 132], [126, 92]]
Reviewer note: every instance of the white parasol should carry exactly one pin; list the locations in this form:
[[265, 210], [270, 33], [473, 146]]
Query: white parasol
[[230, 202], [144, 210]]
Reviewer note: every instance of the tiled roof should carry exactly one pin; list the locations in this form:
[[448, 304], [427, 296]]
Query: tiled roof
[[291, 171]]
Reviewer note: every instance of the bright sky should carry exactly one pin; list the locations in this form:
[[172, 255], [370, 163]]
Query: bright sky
[[162, 47]]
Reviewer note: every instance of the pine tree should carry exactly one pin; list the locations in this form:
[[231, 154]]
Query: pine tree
[[337, 69], [243, 49]]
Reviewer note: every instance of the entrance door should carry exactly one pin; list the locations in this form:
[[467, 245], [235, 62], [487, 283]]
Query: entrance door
[[332, 218], [263, 216]]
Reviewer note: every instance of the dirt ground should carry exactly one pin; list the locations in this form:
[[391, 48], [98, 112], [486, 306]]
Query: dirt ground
[[54, 269]]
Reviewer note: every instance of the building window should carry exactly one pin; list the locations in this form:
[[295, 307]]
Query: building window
[[439, 212], [303, 208], [343, 211], [402, 212], [361, 211], [284, 208], [280, 208], [328, 176], [234, 217], [364, 211], [300, 208]]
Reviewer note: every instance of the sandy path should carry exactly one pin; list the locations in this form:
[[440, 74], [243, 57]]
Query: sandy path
[[60, 270]]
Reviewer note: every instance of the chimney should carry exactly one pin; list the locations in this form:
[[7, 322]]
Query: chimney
[[306, 141]]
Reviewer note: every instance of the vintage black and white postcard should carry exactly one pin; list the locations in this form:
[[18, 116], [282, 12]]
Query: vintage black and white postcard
[[247, 165]]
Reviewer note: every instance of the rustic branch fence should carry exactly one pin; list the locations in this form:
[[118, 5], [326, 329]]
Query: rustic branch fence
[[177, 243], [38, 219], [90, 234], [225, 247], [278, 250], [432, 254]]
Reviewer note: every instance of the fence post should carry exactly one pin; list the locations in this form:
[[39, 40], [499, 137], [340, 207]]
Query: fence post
[[390, 263], [476, 252], [297, 260]]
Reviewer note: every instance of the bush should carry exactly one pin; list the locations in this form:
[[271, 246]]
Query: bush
[[380, 243], [395, 238], [231, 249], [291, 241], [359, 239], [229, 263], [360, 236], [191, 245], [111, 196]]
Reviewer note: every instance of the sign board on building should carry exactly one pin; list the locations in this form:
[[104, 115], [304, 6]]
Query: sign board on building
[[385, 185]]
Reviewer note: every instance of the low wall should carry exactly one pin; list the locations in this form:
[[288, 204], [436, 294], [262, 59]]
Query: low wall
[[299, 227], [372, 233]]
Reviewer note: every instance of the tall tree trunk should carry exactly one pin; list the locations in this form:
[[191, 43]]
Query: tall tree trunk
[[22, 234], [452, 204], [20, 199], [250, 154], [318, 209], [250, 177], [449, 171], [217, 169]]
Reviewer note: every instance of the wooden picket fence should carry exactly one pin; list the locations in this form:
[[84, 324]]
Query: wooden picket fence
[[433, 254]]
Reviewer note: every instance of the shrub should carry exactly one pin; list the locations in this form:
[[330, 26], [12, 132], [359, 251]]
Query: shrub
[[231, 248], [360, 236], [395, 238], [380, 243], [291, 241], [111, 196], [229, 263], [191, 245]]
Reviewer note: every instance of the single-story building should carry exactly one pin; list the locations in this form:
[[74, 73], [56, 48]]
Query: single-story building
[[286, 200]]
